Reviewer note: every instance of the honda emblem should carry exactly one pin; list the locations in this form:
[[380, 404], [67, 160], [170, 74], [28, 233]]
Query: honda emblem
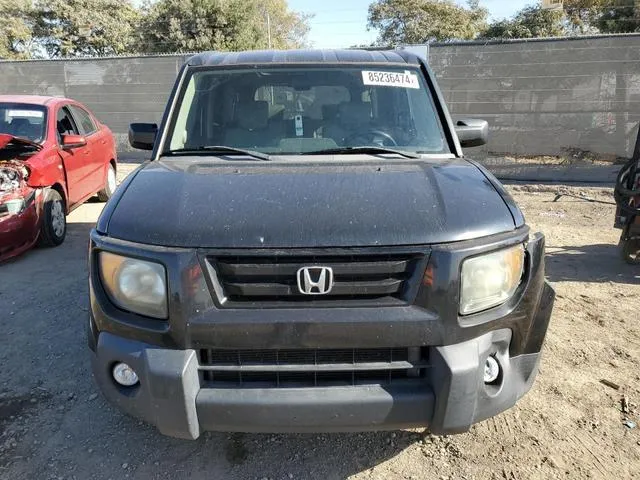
[[315, 280]]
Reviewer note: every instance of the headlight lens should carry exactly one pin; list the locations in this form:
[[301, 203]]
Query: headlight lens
[[491, 279], [135, 285], [13, 206]]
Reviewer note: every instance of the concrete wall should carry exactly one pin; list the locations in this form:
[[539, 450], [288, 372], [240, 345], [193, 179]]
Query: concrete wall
[[547, 97], [551, 97], [119, 91]]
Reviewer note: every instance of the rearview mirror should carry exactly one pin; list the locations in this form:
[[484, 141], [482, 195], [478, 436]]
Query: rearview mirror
[[142, 135], [73, 141], [472, 132]]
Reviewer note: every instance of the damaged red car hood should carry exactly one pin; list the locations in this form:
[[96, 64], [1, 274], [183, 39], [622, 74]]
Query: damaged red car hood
[[13, 171], [6, 140]]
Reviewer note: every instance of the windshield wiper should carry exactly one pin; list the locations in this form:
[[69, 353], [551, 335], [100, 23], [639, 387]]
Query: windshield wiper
[[222, 149], [364, 149]]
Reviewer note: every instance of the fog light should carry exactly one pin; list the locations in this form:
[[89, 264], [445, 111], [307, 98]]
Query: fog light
[[491, 370], [124, 375]]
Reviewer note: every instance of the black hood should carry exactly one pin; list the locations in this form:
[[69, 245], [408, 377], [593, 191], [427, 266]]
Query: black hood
[[196, 202]]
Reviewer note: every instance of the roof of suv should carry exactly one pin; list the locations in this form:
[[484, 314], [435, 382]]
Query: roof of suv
[[254, 57]]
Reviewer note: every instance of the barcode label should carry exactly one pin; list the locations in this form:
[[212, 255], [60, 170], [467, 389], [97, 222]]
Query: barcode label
[[391, 79]]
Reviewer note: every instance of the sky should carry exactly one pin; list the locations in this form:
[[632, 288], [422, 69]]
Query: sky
[[343, 23]]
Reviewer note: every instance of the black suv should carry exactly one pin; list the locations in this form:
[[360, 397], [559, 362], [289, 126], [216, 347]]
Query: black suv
[[309, 250]]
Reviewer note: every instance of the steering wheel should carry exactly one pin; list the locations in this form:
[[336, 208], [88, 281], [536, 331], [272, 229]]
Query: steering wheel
[[372, 137]]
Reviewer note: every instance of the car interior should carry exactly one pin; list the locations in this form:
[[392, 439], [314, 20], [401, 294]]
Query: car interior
[[23, 127], [64, 125]]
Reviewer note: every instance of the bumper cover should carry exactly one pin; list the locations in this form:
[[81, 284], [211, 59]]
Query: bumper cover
[[452, 397], [449, 397], [19, 232]]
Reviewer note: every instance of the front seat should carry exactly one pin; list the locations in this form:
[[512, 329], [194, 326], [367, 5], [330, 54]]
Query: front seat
[[352, 118], [251, 125], [64, 127]]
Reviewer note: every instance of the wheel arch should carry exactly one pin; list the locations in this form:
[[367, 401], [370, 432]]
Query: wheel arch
[[60, 189]]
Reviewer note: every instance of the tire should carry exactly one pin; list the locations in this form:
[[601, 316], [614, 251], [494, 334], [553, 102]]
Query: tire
[[54, 220], [110, 185], [630, 250]]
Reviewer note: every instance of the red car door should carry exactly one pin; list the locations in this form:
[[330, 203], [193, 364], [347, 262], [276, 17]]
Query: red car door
[[76, 160], [97, 161]]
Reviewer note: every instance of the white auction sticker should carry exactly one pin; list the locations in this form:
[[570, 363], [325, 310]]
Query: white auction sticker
[[404, 79], [25, 113]]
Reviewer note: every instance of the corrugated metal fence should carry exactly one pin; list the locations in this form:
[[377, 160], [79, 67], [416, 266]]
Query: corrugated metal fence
[[578, 97]]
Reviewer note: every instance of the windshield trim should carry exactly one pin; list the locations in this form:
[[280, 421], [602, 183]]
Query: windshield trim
[[367, 149], [286, 158], [32, 106], [221, 150], [170, 116]]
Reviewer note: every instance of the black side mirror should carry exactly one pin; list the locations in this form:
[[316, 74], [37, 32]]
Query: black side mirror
[[472, 132], [142, 135]]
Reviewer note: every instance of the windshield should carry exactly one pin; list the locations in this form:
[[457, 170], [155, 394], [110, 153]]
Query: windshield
[[311, 109], [23, 120]]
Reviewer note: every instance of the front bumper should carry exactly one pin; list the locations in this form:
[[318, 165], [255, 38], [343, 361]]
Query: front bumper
[[170, 396], [19, 232], [449, 398]]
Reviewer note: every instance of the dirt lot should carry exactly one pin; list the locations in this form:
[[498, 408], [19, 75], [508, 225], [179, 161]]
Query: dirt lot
[[54, 424]]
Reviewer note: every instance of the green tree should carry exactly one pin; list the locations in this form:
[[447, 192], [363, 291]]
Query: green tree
[[289, 29], [580, 15], [196, 25], [619, 16], [16, 29], [530, 22], [419, 21], [68, 28], [605, 16]]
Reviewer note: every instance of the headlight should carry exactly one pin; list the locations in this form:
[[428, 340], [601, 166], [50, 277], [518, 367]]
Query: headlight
[[491, 279], [135, 285], [13, 206]]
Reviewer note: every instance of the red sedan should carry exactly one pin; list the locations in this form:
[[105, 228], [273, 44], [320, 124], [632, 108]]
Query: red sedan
[[54, 155]]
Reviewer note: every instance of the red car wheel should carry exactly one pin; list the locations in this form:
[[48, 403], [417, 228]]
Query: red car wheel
[[110, 185], [54, 220]]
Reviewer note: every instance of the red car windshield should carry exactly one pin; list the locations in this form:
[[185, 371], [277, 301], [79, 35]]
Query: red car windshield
[[23, 121]]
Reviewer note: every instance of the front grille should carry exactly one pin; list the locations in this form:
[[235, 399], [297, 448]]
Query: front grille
[[263, 280], [311, 368]]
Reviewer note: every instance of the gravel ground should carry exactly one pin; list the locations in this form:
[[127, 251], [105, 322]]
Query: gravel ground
[[55, 425]]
